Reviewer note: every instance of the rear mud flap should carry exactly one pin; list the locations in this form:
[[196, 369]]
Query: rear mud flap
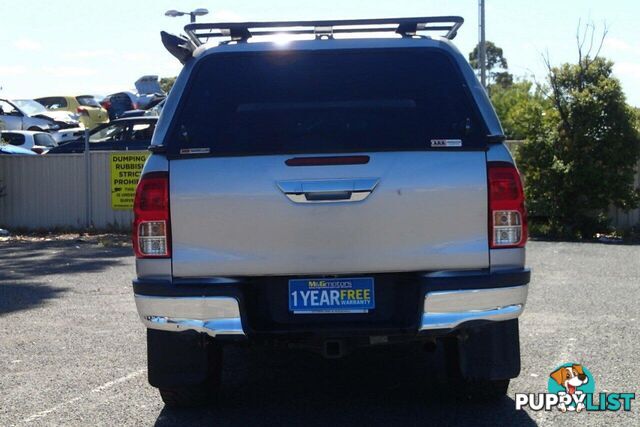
[[177, 359], [490, 352]]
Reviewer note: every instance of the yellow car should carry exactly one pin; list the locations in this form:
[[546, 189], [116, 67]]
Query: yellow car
[[90, 112]]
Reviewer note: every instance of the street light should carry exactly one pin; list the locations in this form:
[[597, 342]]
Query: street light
[[192, 15]]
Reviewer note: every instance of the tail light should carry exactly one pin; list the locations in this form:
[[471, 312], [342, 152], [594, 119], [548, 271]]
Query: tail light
[[507, 212], [135, 105], [37, 150], [82, 111], [106, 104], [151, 227]]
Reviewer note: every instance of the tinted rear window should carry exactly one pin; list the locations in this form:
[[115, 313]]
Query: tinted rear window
[[120, 97], [53, 102], [87, 101], [324, 102], [13, 138], [44, 140]]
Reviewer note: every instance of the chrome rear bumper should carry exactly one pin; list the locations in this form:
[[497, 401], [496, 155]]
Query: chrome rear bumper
[[449, 309], [217, 315], [211, 315]]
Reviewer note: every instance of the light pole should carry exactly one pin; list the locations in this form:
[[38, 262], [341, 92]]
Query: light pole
[[192, 15], [482, 54]]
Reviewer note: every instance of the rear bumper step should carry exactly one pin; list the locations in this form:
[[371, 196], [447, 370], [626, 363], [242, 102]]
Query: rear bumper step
[[449, 309], [220, 307], [211, 315]]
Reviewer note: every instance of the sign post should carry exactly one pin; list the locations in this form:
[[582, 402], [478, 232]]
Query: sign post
[[87, 180]]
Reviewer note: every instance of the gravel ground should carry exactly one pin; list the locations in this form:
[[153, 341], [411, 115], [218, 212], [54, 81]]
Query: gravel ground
[[72, 351]]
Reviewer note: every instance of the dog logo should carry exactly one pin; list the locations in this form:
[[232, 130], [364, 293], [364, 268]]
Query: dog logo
[[572, 389], [571, 381]]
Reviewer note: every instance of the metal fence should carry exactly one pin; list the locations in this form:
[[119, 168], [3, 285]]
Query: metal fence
[[625, 219], [46, 192]]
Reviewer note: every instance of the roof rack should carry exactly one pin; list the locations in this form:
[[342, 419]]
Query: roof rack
[[200, 33]]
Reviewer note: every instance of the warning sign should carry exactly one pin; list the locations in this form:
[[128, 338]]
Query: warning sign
[[125, 172]]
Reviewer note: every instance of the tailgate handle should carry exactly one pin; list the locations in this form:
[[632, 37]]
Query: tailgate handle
[[328, 191]]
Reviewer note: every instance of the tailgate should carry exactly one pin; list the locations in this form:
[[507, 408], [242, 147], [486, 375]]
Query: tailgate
[[231, 216], [419, 202]]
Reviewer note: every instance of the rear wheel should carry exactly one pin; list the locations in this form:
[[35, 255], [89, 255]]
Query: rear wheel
[[481, 360], [198, 394], [485, 390], [189, 396]]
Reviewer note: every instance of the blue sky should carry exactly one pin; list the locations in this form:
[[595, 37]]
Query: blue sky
[[71, 46]]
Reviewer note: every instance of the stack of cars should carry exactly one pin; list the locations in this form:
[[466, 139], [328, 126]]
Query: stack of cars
[[121, 134], [149, 94], [90, 112], [57, 124], [27, 114]]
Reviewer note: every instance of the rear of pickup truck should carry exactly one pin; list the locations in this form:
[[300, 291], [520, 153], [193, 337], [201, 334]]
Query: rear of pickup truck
[[330, 195]]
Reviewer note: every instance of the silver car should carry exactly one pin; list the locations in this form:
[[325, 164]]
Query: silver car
[[328, 193], [26, 114]]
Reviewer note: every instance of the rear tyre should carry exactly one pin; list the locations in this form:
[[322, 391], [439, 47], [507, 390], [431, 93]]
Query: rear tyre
[[199, 394], [186, 367], [481, 360], [189, 396], [485, 390]]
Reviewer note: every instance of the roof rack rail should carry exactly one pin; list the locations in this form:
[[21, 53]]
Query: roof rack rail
[[200, 33]]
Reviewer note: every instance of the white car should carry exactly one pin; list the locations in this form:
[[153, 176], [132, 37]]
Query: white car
[[38, 142]]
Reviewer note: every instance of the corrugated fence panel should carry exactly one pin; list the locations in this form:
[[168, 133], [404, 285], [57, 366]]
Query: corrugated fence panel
[[44, 192], [625, 219]]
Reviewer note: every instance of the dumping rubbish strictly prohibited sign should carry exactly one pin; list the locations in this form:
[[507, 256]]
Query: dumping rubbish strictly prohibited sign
[[125, 172]]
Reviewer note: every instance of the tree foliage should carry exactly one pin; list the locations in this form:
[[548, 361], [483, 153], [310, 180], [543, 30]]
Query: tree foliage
[[520, 106], [581, 143], [581, 150], [496, 64], [166, 83]]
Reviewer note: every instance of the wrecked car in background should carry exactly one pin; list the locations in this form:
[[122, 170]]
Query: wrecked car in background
[[38, 142], [26, 114], [90, 113], [149, 94], [120, 134]]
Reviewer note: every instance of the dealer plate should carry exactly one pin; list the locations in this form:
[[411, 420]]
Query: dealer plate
[[343, 295]]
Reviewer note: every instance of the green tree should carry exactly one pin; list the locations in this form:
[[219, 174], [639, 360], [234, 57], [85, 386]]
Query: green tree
[[519, 107], [166, 83], [496, 64], [581, 151]]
